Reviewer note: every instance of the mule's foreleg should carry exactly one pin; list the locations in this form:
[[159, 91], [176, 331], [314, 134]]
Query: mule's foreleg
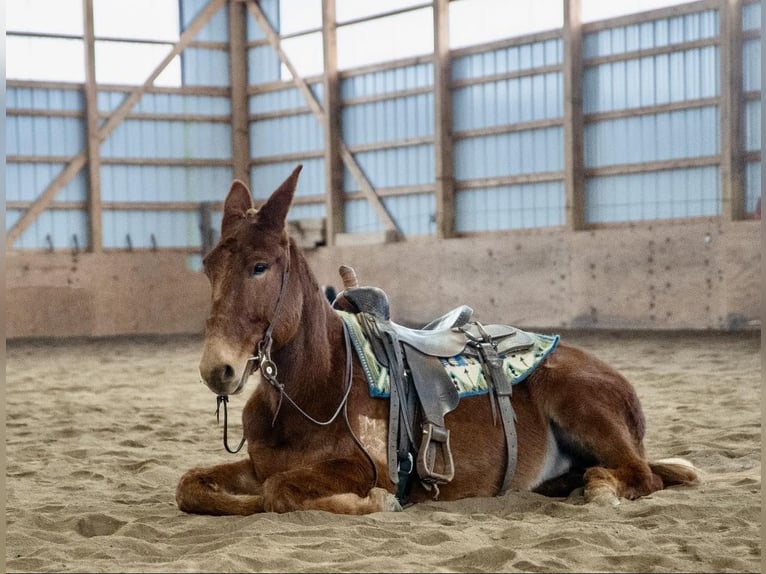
[[341, 486], [229, 488]]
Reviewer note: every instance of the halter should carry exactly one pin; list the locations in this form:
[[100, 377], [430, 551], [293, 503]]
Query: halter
[[262, 360]]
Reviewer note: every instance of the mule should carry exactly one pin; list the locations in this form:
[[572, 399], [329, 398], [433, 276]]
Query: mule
[[317, 440]]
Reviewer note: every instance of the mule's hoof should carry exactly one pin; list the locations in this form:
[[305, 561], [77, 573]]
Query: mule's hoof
[[601, 497], [392, 504], [386, 501]]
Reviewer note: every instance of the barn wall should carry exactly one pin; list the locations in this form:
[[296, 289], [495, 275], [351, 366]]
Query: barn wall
[[696, 275], [65, 295]]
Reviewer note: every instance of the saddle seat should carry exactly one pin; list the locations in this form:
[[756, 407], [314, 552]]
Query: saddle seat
[[440, 337], [446, 336]]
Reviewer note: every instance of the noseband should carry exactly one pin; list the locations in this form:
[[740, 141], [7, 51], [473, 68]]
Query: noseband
[[262, 360]]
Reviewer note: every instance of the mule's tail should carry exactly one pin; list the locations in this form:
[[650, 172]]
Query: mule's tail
[[675, 471]]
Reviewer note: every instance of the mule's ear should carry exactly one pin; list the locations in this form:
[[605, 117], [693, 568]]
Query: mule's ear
[[237, 203], [274, 211]]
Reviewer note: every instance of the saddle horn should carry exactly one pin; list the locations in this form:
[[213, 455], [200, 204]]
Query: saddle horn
[[355, 299], [348, 275]]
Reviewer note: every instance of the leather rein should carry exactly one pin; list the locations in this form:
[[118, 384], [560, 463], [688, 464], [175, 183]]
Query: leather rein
[[262, 360]]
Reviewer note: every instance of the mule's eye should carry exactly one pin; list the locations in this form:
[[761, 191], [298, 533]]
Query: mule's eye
[[258, 269]]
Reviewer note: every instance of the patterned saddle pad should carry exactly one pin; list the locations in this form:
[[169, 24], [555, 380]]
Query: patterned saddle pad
[[464, 370]]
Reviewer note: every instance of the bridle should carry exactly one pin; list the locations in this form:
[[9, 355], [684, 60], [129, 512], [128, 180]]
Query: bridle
[[262, 360]]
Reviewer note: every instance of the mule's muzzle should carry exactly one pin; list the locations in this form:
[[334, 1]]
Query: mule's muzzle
[[221, 379], [224, 378], [222, 367]]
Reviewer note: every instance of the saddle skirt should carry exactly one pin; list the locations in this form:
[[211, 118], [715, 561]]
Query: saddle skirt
[[464, 370]]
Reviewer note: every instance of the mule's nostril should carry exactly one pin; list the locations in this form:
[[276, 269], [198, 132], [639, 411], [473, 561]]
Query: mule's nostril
[[228, 372]]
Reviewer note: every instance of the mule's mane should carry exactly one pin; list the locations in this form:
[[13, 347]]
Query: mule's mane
[[316, 314]]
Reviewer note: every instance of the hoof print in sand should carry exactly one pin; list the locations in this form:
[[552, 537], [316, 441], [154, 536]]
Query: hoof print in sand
[[98, 525]]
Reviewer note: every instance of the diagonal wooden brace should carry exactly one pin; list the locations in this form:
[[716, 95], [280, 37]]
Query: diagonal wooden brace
[[315, 106]]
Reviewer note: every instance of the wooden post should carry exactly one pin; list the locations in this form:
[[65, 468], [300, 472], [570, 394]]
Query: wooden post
[[240, 126], [574, 126], [443, 144], [91, 121], [333, 165], [732, 177]]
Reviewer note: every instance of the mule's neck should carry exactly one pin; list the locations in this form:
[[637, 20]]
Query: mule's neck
[[311, 363]]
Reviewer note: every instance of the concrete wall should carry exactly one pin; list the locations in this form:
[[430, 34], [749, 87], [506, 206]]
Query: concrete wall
[[691, 275], [61, 295]]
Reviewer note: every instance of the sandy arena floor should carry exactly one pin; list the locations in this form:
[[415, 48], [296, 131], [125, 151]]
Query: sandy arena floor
[[98, 433]]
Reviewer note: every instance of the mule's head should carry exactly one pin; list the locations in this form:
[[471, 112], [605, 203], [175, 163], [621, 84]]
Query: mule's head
[[246, 270]]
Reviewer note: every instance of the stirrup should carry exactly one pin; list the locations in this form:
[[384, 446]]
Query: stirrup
[[427, 455]]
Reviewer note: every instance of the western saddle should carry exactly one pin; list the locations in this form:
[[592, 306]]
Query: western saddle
[[421, 391]]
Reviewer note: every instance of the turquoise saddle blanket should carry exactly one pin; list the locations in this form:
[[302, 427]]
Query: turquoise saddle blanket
[[464, 370]]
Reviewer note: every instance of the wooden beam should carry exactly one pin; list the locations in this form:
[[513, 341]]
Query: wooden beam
[[41, 112], [77, 162], [652, 110], [167, 161], [649, 166], [574, 176], [211, 91], [385, 96], [62, 159], [396, 191], [287, 157], [91, 123], [346, 156], [391, 144], [443, 142], [508, 180], [162, 161], [333, 165], [493, 78], [168, 117], [276, 114], [509, 128], [732, 176], [238, 79], [651, 52]]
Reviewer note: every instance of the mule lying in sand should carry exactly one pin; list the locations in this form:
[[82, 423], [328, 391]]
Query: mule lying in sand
[[317, 440]]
